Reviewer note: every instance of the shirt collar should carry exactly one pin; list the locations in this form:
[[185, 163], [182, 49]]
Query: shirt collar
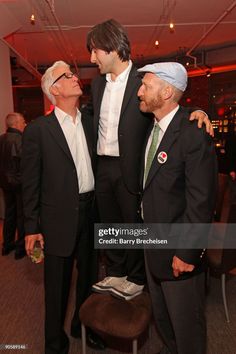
[[165, 121], [123, 76], [61, 115], [13, 130]]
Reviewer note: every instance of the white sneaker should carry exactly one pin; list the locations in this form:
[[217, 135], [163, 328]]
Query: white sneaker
[[107, 284], [127, 290]]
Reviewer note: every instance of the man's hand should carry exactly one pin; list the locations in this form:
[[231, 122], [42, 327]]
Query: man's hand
[[202, 117], [180, 266], [30, 242]]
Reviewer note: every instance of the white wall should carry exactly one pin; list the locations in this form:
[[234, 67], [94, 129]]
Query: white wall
[[6, 96]]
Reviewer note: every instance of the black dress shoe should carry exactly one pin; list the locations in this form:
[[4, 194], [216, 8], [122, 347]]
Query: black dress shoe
[[93, 340], [20, 254], [7, 250]]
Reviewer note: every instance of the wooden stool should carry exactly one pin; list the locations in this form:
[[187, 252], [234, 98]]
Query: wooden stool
[[116, 317]]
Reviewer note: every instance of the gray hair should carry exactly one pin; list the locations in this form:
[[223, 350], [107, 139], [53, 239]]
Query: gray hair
[[11, 119], [48, 79]]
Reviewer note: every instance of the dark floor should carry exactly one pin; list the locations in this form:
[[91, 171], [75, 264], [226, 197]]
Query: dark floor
[[22, 311]]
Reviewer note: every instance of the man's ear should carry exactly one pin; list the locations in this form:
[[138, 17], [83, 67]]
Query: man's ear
[[54, 90], [167, 92]]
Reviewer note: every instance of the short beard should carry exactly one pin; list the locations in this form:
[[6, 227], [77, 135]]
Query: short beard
[[152, 105]]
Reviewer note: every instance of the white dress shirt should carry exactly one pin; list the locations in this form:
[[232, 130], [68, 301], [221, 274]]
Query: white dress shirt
[[110, 113], [74, 134]]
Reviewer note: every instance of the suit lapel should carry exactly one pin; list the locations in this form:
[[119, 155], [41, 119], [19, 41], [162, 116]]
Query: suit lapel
[[167, 141], [57, 133], [132, 84], [98, 95]]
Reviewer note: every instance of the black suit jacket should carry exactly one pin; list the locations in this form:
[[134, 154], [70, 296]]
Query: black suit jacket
[[50, 184], [181, 190], [132, 129], [10, 156]]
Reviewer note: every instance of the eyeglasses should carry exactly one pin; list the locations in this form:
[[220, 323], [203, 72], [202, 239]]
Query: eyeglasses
[[66, 75]]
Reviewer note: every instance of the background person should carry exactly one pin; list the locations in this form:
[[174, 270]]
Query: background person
[[10, 182]]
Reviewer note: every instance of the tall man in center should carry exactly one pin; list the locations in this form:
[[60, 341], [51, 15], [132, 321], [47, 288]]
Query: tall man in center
[[120, 129]]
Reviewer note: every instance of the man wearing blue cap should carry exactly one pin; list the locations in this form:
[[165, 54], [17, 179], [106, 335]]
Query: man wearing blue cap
[[179, 179]]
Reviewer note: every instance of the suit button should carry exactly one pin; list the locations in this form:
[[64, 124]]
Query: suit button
[[76, 209]]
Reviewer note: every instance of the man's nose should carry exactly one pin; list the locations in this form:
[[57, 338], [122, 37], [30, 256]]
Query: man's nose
[[93, 57], [139, 92], [75, 77]]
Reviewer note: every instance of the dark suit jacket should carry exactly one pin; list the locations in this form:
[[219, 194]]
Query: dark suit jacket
[[181, 190], [10, 156], [132, 130], [50, 184]]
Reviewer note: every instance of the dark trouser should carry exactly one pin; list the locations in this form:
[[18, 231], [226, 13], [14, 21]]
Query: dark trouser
[[13, 220], [178, 308], [117, 205], [57, 277]]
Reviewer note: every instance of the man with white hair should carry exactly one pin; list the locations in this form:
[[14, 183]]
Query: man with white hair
[[179, 179], [10, 182], [58, 194]]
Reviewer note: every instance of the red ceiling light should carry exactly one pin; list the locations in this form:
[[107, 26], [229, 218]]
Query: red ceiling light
[[172, 27], [32, 19]]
